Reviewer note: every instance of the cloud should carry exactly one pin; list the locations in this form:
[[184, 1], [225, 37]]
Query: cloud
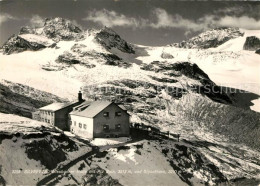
[[112, 18], [241, 22], [5, 17], [160, 18], [235, 10], [37, 21], [165, 20]]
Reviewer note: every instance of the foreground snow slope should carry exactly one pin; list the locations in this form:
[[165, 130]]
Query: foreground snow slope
[[30, 149], [135, 165]]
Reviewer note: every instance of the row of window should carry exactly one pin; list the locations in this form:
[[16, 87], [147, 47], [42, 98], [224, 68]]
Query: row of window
[[106, 127], [80, 125], [106, 114], [48, 113], [46, 120]]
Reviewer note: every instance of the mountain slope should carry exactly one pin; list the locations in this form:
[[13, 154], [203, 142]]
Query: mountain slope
[[228, 64]]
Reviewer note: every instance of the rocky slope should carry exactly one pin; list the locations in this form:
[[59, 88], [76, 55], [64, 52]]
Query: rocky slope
[[20, 43], [23, 100], [110, 39], [34, 149]]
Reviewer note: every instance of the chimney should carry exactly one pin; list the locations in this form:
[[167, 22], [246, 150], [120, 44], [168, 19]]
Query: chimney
[[80, 96]]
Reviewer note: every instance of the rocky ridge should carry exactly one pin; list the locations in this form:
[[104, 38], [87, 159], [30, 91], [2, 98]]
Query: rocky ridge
[[210, 39], [59, 29]]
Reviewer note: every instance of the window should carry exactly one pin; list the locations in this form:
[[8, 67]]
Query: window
[[84, 126], [80, 125], [106, 114], [75, 123], [118, 113], [118, 126], [106, 127]]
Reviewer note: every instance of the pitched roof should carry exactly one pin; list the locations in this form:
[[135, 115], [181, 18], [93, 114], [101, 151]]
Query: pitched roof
[[56, 106], [122, 107], [90, 109]]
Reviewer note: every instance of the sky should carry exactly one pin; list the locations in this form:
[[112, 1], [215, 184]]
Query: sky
[[145, 22]]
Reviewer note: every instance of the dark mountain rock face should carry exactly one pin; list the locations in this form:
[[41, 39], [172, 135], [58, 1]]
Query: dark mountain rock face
[[210, 39], [208, 88], [68, 58], [60, 29], [48, 153], [97, 176], [190, 70], [27, 30], [257, 51], [110, 39], [166, 56], [252, 43], [16, 44]]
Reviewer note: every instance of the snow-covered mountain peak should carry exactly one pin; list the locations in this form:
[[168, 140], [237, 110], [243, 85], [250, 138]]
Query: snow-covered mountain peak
[[108, 30], [61, 29], [211, 38], [54, 28], [58, 29], [53, 31], [110, 39]]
